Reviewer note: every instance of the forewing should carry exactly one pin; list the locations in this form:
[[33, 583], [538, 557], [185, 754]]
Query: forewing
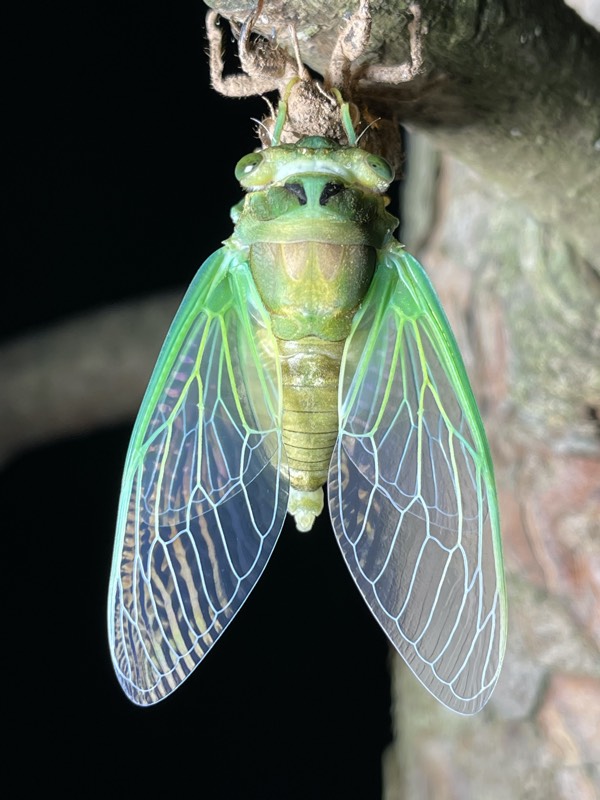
[[411, 490], [203, 499]]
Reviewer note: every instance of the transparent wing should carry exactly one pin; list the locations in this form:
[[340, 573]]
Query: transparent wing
[[203, 499], [411, 490]]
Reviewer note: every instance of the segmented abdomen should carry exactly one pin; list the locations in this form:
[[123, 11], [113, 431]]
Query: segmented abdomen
[[310, 374]]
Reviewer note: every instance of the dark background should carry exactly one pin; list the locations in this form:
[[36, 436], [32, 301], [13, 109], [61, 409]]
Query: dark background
[[120, 182]]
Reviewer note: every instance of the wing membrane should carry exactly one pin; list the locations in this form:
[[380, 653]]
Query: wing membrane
[[411, 490], [203, 499]]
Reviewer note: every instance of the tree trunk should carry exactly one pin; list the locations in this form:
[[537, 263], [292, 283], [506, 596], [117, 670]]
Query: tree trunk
[[525, 309]]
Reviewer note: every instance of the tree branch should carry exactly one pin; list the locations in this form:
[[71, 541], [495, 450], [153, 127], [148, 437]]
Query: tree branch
[[80, 375]]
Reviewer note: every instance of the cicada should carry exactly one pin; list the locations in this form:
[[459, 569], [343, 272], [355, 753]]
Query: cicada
[[310, 350]]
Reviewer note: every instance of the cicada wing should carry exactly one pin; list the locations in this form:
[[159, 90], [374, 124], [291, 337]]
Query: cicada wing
[[204, 495], [411, 489]]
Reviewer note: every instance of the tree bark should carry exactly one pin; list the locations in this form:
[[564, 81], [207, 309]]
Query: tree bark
[[525, 308]]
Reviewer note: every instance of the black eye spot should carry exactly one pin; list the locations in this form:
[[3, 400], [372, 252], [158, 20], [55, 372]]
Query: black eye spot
[[298, 191], [330, 190]]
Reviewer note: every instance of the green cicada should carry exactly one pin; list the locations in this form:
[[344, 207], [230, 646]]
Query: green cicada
[[310, 349]]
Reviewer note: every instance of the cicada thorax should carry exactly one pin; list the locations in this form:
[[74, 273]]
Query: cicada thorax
[[313, 221], [311, 290]]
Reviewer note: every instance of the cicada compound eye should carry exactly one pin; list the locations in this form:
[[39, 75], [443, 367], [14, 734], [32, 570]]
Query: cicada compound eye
[[381, 167], [247, 166]]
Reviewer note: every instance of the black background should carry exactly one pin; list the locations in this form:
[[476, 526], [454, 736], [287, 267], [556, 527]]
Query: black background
[[121, 181]]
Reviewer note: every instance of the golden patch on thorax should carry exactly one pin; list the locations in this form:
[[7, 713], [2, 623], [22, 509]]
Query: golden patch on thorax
[[312, 288]]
